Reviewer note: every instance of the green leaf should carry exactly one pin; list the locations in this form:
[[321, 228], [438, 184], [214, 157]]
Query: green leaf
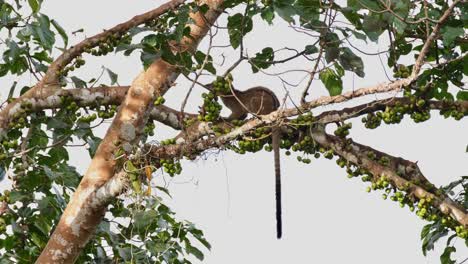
[[148, 58], [331, 53], [12, 89], [449, 34], [351, 62], [238, 26], [16, 196], [285, 9], [58, 154], [61, 32], [3, 70], [462, 95], [193, 251], [112, 75], [42, 32], [262, 60], [150, 40], [78, 82], [198, 234], [332, 81], [142, 220], [164, 190], [308, 9], [268, 15], [310, 49], [373, 26], [37, 239], [35, 5], [93, 143], [445, 258], [425, 231]]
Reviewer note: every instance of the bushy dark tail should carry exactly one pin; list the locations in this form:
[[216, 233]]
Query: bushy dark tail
[[276, 150]]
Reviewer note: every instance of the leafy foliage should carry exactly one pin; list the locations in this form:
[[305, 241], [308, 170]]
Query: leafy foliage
[[34, 154]]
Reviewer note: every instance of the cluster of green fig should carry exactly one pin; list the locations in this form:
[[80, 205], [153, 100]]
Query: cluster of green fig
[[108, 112], [453, 112], [424, 207], [222, 85], [169, 141], [9, 144], [159, 101], [220, 130], [394, 114], [171, 166], [251, 145], [343, 130], [308, 146], [149, 128], [461, 231], [421, 116], [20, 122], [238, 123], [188, 121], [88, 118], [371, 121], [304, 119], [401, 71], [108, 45], [73, 114], [211, 108], [77, 63]]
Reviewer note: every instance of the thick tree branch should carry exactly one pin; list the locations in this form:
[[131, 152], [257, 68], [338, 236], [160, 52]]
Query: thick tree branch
[[402, 174], [381, 105], [49, 82], [105, 95], [86, 208]]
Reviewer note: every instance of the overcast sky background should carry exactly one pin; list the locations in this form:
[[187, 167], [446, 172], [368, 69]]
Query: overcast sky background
[[327, 218]]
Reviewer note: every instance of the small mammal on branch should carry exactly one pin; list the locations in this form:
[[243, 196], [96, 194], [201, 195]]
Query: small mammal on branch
[[259, 101]]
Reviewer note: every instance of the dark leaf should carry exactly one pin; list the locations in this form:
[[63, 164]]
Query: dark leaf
[[351, 62], [78, 82], [462, 95], [446, 258], [112, 75], [310, 49]]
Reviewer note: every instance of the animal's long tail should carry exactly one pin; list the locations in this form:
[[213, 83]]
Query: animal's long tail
[[276, 150]]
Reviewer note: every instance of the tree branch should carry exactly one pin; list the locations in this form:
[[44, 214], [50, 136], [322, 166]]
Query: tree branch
[[49, 82], [86, 207], [402, 174], [380, 105]]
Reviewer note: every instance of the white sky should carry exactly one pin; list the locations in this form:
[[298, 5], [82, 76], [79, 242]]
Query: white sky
[[327, 218]]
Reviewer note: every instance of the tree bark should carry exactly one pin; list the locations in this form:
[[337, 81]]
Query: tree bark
[[101, 183]]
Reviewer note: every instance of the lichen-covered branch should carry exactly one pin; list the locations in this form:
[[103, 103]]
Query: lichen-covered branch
[[104, 95]]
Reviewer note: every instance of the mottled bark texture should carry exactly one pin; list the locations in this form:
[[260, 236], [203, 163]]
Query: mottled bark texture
[[89, 202]]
